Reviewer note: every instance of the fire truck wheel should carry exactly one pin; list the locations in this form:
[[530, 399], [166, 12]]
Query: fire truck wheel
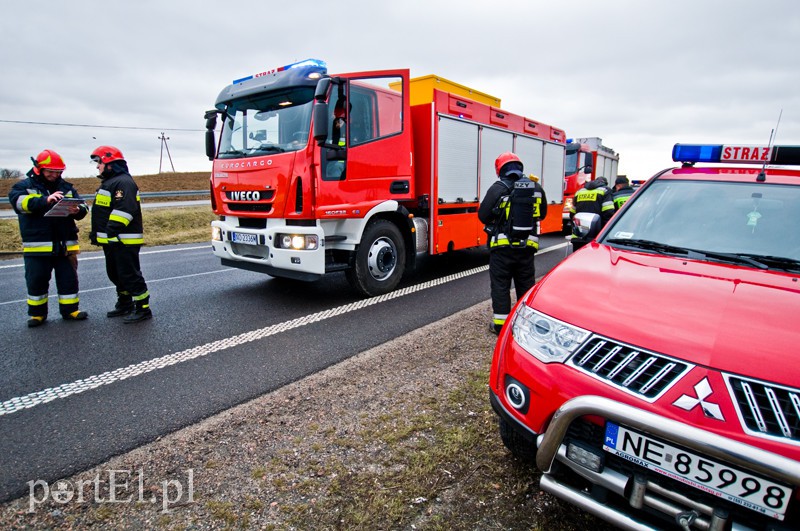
[[521, 447], [379, 261]]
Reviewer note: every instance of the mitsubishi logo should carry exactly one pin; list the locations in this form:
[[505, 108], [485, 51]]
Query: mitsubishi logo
[[703, 391]]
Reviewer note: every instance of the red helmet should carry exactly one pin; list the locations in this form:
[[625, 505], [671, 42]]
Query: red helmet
[[106, 154], [504, 159], [48, 160]]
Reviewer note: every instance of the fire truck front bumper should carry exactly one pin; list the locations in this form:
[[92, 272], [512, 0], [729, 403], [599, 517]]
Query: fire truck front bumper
[[278, 250]]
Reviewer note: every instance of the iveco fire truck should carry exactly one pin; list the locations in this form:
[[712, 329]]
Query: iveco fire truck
[[587, 159], [362, 173]]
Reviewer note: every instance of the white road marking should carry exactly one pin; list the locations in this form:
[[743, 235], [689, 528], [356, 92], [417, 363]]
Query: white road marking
[[123, 373], [100, 257]]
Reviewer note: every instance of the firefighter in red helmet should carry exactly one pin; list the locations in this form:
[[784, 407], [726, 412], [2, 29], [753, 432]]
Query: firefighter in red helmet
[[49, 242], [117, 227], [510, 210]]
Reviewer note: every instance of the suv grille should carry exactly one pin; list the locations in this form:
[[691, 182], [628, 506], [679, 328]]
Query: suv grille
[[641, 373], [767, 409]]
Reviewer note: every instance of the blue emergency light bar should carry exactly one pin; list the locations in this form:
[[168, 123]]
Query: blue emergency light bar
[[736, 154], [315, 63]]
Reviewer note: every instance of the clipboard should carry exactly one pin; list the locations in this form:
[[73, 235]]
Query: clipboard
[[61, 209]]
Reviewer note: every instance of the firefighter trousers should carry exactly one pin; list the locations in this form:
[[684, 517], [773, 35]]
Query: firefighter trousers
[[506, 264], [124, 271], [38, 270]]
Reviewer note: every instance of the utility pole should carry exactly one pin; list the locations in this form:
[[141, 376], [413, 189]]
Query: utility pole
[[161, 157]]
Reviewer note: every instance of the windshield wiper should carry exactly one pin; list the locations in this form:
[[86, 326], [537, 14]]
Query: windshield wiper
[[779, 262], [649, 245], [231, 152], [733, 258], [274, 148]]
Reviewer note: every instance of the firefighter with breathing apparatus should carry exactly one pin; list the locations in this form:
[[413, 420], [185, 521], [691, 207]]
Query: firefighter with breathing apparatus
[[510, 210]]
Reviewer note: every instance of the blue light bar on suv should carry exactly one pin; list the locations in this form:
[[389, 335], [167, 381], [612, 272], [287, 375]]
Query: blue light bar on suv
[[737, 154]]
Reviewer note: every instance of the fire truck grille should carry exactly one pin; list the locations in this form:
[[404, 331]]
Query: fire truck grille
[[250, 207], [767, 409], [636, 371]]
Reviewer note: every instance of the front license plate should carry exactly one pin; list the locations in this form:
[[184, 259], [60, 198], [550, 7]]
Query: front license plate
[[727, 482], [247, 239]]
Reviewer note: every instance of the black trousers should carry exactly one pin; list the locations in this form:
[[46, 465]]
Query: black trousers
[[38, 270], [507, 264], [123, 269]]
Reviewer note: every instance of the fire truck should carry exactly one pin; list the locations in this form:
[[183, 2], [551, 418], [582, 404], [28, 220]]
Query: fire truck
[[587, 159], [362, 172]]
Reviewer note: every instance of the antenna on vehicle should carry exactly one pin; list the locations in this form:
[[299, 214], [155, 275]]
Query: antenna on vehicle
[[762, 176], [161, 157]]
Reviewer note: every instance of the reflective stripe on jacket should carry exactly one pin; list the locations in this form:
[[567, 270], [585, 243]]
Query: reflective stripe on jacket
[[117, 212], [44, 234]]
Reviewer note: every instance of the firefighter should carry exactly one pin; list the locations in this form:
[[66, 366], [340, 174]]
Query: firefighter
[[117, 227], [622, 191], [513, 236], [595, 197], [49, 243]]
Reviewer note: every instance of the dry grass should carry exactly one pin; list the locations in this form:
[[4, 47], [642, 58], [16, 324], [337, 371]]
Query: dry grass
[[162, 226]]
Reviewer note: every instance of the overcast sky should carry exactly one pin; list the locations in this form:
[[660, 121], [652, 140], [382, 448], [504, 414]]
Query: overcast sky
[[640, 74]]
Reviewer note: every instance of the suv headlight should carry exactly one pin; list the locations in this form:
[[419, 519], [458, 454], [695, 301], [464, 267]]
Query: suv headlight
[[546, 339]]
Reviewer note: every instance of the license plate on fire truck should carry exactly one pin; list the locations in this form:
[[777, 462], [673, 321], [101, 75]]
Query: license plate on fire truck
[[247, 239], [721, 480]]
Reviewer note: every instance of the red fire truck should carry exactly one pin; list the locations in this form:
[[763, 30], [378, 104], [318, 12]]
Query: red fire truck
[[587, 159], [362, 173]]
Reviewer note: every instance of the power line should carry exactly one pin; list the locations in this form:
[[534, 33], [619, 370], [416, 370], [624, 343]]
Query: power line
[[100, 126]]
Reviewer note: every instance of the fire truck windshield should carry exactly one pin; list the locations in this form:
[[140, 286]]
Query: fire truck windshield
[[267, 123]]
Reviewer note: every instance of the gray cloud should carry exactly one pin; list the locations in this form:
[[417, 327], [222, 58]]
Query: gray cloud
[[640, 74]]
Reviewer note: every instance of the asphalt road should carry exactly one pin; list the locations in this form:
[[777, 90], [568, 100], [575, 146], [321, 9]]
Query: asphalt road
[[73, 394]]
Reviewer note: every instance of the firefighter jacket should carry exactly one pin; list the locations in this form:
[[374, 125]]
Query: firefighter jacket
[[495, 210], [44, 235], [594, 198], [117, 211], [621, 196]]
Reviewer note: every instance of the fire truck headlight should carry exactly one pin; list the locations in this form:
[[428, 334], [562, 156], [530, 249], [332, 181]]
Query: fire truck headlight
[[297, 242], [547, 339], [216, 234]]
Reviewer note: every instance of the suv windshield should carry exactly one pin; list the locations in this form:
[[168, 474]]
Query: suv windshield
[[744, 223], [267, 123]]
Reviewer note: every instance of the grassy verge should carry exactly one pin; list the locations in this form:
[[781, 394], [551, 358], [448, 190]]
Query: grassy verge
[[162, 226]]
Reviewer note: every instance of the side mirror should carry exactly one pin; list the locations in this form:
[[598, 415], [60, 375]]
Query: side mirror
[[211, 141], [587, 168], [586, 225], [320, 121]]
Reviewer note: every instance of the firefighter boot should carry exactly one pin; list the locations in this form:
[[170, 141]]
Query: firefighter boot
[[36, 320], [124, 306], [77, 315], [140, 313]]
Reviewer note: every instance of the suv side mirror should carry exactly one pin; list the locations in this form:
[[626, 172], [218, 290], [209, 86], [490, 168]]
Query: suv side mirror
[[586, 225]]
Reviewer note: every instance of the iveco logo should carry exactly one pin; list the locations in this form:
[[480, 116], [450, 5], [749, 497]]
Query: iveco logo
[[703, 391], [245, 196]]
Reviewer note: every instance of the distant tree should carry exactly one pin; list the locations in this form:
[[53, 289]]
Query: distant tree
[[5, 173]]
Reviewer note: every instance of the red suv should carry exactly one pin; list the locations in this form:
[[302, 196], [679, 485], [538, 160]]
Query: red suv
[[654, 375]]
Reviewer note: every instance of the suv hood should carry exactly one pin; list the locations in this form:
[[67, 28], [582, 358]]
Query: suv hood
[[734, 319]]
